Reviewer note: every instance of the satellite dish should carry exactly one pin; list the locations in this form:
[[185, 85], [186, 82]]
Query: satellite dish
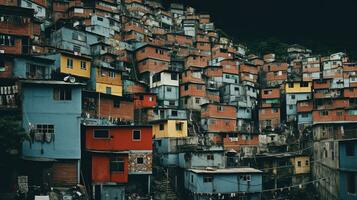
[[66, 78], [72, 79]]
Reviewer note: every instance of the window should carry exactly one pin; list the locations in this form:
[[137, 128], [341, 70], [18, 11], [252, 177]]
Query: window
[[141, 97], [69, 63], [42, 129], [304, 84], [62, 94], [351, 182], [169, 89], [210, 157], [150, 99], [306, 162], [299, 163], [101, 134], [220, 108], [178, 126], [291, 107], [2, 66], [77, 49], [140, 160], [245, 177], [83, 65], [36, 71], [324, 112], [350, 150], [191, 178], [186, 87], [339, 113], [79, 36], [136, 135], [116, 103], [117, 165], [162, 127], [174, 113], [199, 87], [7, 40], [207, 179], [293, 96], [99, 19], [111, 74], [304, 115], [290, 85], [236, 88], [108, 90], [197, 100], [173, 76]]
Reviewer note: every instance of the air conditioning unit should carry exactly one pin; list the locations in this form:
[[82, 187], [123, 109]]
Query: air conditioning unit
[[234, 139]]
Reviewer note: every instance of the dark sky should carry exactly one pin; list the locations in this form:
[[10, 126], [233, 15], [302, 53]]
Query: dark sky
[[316, 23]]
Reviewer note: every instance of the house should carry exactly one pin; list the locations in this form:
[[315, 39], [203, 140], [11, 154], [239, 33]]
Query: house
[[118, 157], [269, 108], [223, 183], [116, 109], [169, 128], [334, 163], [51, 114], [105, 78], [17, 28], [166, 86], [73, 40], [218, 118], [304, 114], [294, 92], [66, 63], [152, 58], [193, 95], [39, 6], [32, 67]]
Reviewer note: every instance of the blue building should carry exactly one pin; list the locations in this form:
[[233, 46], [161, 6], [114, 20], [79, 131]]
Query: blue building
[[167, 95], [31, 67], [348, 169], [229, 183], [73, 40], [51, 112]]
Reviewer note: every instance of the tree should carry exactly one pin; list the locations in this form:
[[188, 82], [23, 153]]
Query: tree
[[11, 135]]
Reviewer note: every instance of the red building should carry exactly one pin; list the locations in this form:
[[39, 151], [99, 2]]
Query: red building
[[144, 100], [119, 156]]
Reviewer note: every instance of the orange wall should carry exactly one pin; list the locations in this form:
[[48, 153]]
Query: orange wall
[[101, 170]]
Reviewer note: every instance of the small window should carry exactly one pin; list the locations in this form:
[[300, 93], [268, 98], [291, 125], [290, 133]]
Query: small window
[[69, 63], [186, 87], [299, 163], [116, 103], [77, 49], [83, 65], [141, 97], [324, 112], [62, 94], [111, 74], [173, 76], [140, 160], [99, 19], [307, 162], [304, 84], [136, 135], [101, 134], [117, 165], [351, 182], [290, 85], [108, 90], [197, 100], [210, 157], [178, 126], [162, 127], [293, 96], [174, 113], [207, 179], [169, 89], [339, 113], [350, 150]]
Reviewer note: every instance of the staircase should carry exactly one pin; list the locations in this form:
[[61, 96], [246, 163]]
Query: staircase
[[162, 187]]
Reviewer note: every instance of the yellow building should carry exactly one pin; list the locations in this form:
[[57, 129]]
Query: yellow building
[[75, 65], [170, 128], [298, 87], [107, 81], [301, 164]]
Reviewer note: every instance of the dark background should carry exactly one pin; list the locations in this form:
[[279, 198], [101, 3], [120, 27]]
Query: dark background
[[325, 26]]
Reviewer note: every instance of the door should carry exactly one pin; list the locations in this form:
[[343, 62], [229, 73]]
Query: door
[[113, 193]]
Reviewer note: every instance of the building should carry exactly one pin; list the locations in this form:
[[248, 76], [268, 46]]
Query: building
[[295, 92], [169, 128], [51, 114], [223, 183], [119, 159]]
